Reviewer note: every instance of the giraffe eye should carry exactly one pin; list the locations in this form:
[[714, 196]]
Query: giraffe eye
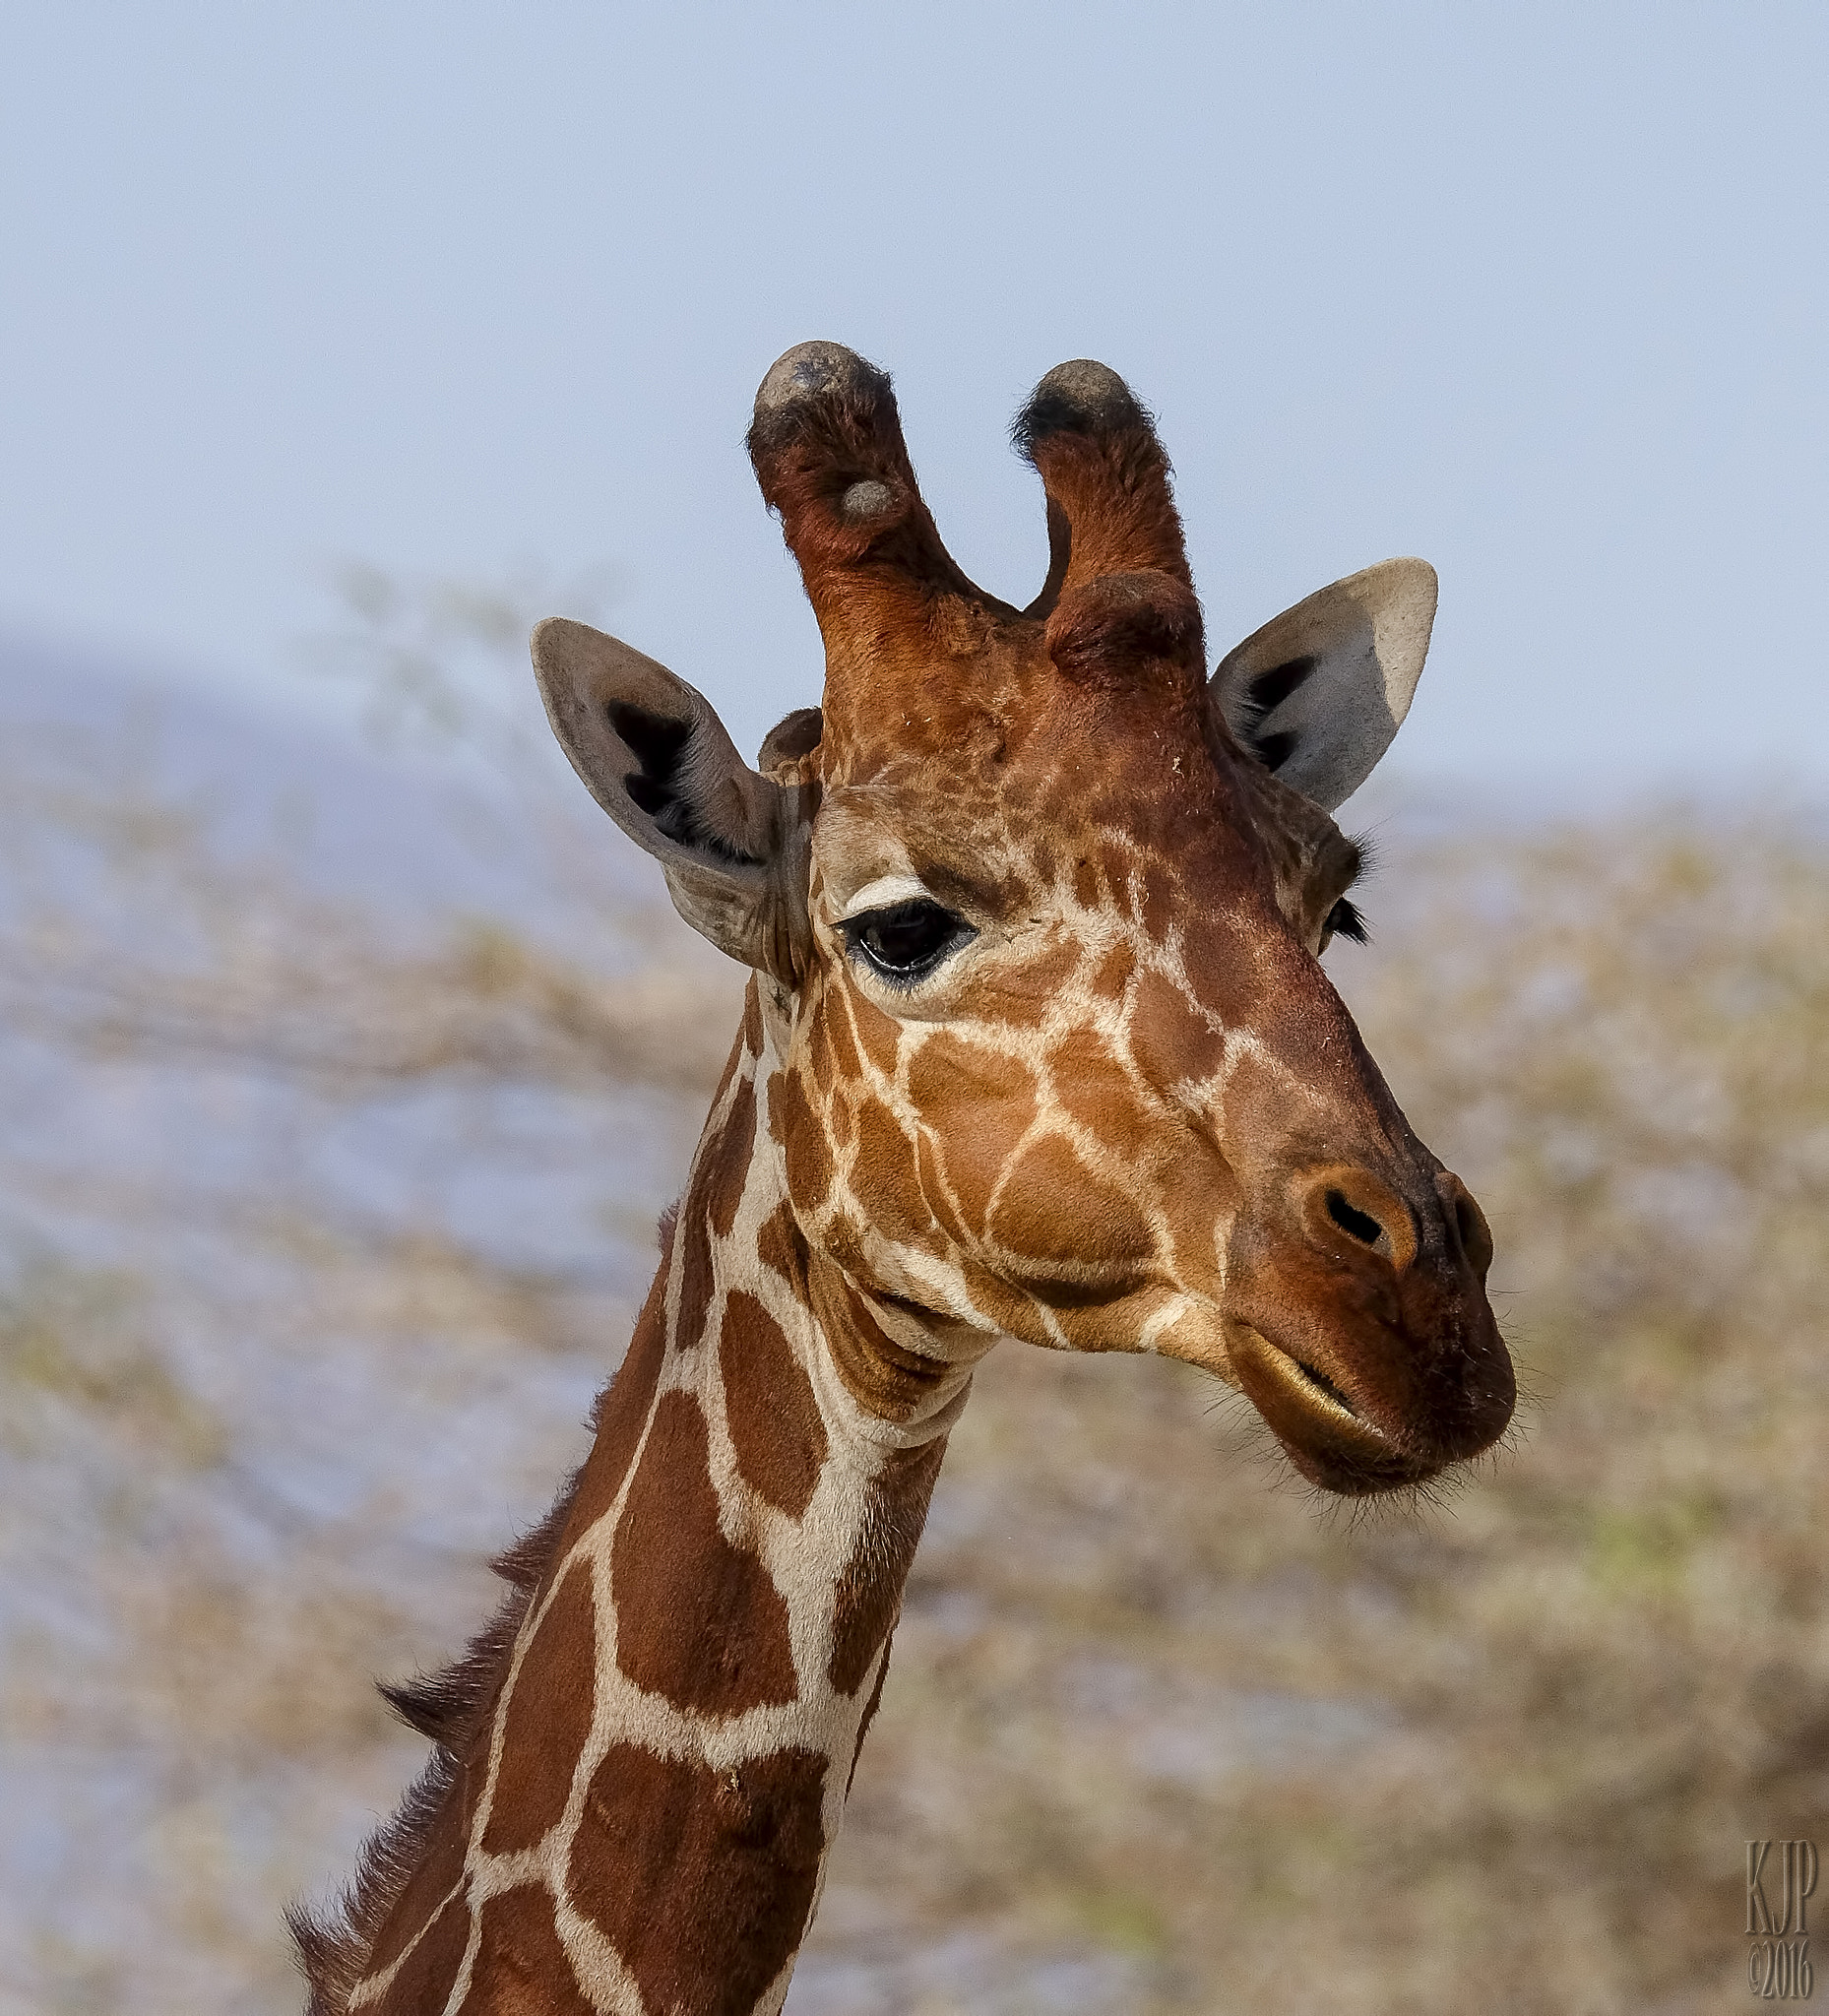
[[906, 941]]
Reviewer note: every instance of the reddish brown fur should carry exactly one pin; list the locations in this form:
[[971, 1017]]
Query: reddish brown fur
[[808, 457], [621, 1417], [775, 1426], [521, 1966], [950, 1070], [718, 1639], [870, 1587], [759, 1829], [733, 1162], [431, 1970], [549, 1717], [1110, 509]]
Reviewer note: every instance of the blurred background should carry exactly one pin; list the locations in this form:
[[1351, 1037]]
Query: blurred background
[[347, 1054]]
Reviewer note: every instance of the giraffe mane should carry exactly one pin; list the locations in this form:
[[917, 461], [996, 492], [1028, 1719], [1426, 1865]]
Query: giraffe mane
[[448, 1705]]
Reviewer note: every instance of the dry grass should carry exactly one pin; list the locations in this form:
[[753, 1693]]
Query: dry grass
[[1162, 1733]]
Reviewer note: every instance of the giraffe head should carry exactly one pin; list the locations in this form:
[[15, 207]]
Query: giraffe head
[[1037, 908]]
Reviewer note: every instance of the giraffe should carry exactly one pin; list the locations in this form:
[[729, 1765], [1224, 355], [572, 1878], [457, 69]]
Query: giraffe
[[1035, 1044]]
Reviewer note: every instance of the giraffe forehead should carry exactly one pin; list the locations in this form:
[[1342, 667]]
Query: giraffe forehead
[[987, 706], [885, 842], [1083, 824]]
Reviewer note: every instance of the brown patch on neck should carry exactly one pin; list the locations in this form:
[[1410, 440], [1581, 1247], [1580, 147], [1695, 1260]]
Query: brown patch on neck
[[773, 1418], [520, 1966], [439, 1875], [732, 1063], [797, 1129], [698, 1622], [411, 1865], [548, 1719], [697, 1279], [869, 1588], [621, 1414], [728, 1163], [701, 1880], [430, 1970]]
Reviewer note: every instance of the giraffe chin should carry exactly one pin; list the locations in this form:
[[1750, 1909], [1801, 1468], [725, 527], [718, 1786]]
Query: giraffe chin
[[1327, 1441]]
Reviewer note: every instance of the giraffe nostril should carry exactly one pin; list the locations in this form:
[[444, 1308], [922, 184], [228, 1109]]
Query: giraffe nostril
[[1346, 1210], [1469, 1221], [1357, 1224]]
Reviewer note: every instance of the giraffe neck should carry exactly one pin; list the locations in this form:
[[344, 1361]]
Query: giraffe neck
[[639, 1818]]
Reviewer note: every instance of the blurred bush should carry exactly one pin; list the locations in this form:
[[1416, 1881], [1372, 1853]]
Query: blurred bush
[[323, 1219]]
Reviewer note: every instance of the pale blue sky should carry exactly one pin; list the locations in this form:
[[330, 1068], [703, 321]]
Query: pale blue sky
[[1540, 292]]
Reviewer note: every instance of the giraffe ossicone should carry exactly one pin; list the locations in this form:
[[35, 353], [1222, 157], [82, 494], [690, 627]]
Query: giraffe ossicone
[[1037, 1047]]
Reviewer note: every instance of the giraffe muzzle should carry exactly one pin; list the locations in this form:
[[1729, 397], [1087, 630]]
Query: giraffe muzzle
[[1361, 1331], [1321, 1430]]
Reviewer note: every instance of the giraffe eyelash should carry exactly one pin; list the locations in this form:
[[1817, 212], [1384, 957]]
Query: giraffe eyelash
[[1345, 919]]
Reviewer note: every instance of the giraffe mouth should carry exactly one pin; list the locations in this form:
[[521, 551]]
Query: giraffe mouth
[[1329, 1393], [1325, 1435]]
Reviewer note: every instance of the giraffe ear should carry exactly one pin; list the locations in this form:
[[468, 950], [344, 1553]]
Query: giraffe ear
[[653, 754], [1319, 691]]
